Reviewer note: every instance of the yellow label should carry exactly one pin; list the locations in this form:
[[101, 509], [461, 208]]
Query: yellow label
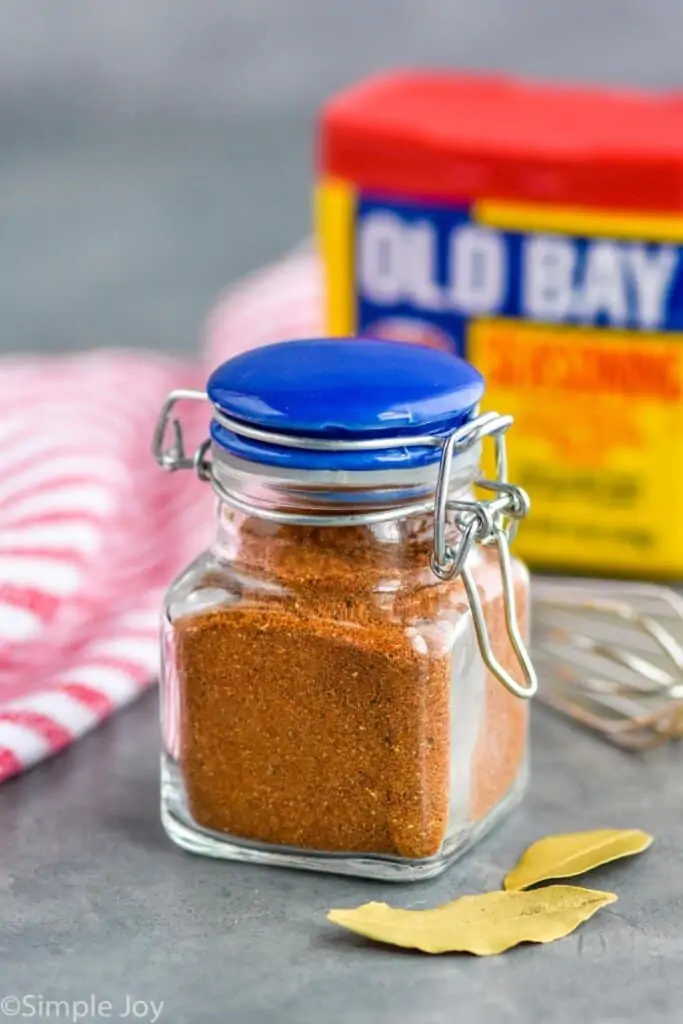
[[596, 441], [334, 201], [575, 221]]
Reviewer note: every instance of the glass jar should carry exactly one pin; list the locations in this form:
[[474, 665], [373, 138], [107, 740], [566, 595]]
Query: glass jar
[[345, 672]]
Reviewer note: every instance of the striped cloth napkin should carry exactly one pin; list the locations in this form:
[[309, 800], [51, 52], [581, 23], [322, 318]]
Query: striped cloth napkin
[[91, 531]]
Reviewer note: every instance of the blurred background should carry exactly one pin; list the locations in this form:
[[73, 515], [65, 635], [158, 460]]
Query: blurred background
[[153, 150]]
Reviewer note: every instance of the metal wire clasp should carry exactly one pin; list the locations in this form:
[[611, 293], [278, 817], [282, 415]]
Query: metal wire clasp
[[482, 522], [175, 457]]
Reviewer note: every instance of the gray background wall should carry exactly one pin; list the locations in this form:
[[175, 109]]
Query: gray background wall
[[152, 150]]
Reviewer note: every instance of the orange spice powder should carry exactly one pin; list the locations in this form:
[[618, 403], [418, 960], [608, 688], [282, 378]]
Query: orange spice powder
[[316, 703]]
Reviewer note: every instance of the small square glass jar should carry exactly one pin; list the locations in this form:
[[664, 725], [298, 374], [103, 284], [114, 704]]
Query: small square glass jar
[[345, 673]]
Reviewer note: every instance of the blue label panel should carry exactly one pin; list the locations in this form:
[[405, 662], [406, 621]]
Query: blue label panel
[[422, 271]]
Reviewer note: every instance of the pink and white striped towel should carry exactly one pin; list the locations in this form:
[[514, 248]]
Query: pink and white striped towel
[[91, 531]]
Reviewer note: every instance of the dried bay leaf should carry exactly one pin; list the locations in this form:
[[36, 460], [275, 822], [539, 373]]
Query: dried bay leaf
[[483, 925], [565, 856]]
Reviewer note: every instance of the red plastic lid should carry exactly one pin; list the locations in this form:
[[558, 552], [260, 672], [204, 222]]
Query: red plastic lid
[[470, 137]]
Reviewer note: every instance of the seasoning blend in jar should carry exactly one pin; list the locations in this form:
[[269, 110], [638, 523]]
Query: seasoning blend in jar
[[345, 671]]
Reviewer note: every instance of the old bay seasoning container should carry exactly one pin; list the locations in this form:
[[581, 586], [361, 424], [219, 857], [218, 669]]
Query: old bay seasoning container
[[537, 230], [345, 671]]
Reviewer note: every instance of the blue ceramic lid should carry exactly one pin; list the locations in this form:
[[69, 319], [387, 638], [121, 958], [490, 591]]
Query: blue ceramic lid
[[343, 389]]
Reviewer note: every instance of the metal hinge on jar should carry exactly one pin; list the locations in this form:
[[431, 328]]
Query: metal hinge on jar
[[485, 522]]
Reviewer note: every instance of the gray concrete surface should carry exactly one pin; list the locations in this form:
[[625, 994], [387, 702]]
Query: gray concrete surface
[[95, 901]]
